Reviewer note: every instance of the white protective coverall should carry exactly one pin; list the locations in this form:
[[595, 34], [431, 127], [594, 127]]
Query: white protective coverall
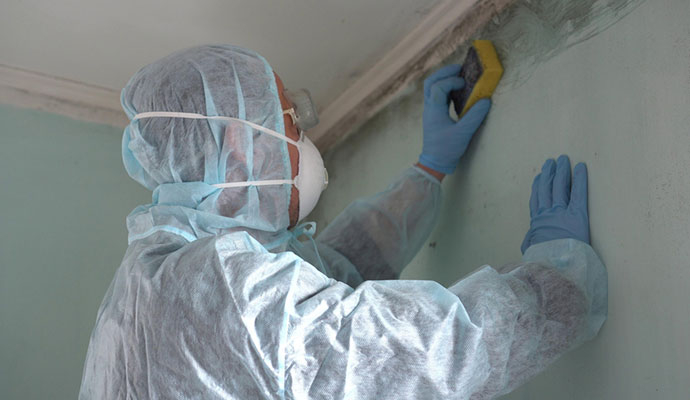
[[216, 299]]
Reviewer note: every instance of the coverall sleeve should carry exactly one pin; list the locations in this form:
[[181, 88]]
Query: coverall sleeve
[[479, 339], [381, 234]]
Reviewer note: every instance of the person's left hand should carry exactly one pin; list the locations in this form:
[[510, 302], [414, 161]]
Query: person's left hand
[[558, 209], [445, 140]]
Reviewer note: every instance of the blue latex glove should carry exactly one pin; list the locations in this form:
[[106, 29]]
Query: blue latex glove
[[445, 140], [557, 208]]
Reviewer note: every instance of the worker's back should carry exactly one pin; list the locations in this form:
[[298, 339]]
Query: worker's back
[[170, 325]]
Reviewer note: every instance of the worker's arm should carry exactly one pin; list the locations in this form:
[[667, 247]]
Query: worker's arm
[[415, 339], [379, 235], [560, 289], [480, 338], [532, 313]]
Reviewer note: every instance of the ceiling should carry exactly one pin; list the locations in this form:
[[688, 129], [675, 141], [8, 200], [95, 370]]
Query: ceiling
[[323, 45]]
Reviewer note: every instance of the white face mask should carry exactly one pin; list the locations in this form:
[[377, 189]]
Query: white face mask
[[311, 179]]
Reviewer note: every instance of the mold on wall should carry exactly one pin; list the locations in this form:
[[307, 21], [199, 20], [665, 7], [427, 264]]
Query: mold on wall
[[531, 32]]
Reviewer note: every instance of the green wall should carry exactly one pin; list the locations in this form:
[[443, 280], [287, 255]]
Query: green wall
[[65, 196], [609, 86]]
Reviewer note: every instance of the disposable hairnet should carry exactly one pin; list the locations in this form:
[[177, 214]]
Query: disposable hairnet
[[180, 158]]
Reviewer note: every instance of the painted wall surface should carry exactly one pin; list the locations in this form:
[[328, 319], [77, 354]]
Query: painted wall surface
[[608, 83], [65, 196]]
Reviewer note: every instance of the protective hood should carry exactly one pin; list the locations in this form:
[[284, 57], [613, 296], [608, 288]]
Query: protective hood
[[179, 159]]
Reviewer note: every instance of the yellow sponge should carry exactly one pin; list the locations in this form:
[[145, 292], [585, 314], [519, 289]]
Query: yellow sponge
[[481, 72]]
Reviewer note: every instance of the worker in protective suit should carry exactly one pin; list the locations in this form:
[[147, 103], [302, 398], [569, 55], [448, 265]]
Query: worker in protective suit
[[217, 298]]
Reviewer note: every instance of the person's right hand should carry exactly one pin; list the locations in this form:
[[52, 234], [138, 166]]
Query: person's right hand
[[445, 140], [558, 209]]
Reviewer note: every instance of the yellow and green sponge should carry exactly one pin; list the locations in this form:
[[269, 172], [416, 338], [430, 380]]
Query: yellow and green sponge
[[481, 71]]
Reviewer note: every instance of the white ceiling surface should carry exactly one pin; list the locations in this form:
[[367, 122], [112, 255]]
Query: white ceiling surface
[[323, 45]]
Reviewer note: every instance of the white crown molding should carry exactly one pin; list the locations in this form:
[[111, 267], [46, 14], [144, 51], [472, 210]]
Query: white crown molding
[[448, 25], [441, 31], [27, 89]]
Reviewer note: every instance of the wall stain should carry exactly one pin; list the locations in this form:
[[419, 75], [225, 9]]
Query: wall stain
[[395, 85], [526, 33], [530, 32]]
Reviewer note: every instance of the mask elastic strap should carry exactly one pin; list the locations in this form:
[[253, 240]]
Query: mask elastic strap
[[170, 114], [254, 183]]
